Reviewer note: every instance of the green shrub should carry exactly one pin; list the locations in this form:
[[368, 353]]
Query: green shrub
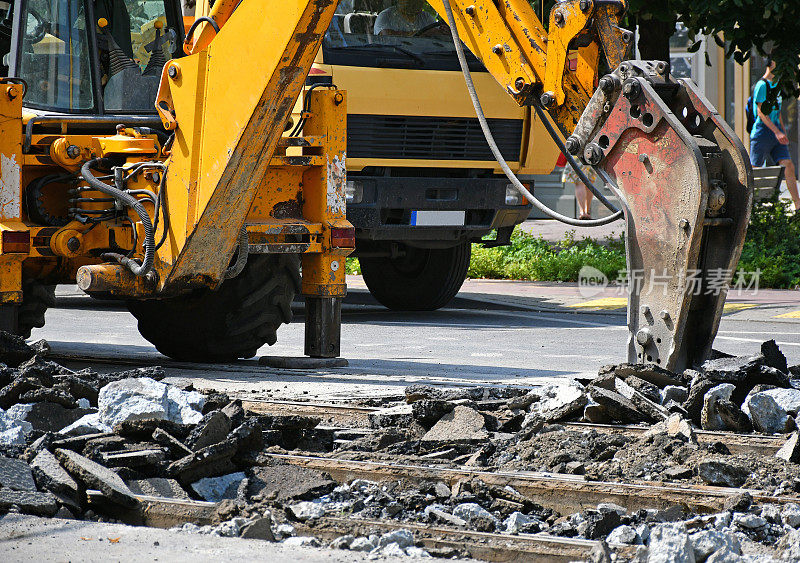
[[773, 244]]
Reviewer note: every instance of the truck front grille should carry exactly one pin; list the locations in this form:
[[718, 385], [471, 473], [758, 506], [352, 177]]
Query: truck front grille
[[430, 138]]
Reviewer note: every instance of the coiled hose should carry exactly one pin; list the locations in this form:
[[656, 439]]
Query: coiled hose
[[128, 200], [499, 157]]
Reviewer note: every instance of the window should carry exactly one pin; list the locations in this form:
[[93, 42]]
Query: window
[[54, 57], [391, 34]]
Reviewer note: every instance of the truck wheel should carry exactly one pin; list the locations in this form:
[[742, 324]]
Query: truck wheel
[[422, 279], [229, 323], [36, 299]]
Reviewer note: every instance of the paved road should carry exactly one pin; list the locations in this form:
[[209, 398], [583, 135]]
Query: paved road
[[473, 342]]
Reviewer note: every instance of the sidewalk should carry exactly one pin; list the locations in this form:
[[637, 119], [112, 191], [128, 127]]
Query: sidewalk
[[777, 305]]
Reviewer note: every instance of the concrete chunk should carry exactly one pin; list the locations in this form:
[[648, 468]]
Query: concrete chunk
[[282, 482], [710, 418], [95, 476], [722, 472], [559, 401], [215, 489], [790, 451], [212, 429], [463, 424], [616, 406], [144, 398], [766, 414], [16, 475]]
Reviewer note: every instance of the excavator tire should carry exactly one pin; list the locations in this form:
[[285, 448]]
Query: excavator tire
[[422, 279], [227, 324], [36, 299]]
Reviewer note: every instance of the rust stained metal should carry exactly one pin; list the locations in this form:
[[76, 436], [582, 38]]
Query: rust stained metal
[[663, 166]]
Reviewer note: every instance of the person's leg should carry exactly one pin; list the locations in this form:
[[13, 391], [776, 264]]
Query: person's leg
[[791, 181], [584, 198], [759, 149], [780, 154]]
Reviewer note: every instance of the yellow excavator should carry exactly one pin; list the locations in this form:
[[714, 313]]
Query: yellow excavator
[[161, 165]]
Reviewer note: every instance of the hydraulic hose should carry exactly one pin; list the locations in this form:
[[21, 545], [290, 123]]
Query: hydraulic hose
[[241, 256], [496, 151], [129, 201]]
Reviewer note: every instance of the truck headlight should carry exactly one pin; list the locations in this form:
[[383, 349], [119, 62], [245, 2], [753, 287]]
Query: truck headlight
[[513, 197], [354, 192]]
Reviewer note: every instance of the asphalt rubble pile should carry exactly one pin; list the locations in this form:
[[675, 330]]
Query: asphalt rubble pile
[[86, 445]]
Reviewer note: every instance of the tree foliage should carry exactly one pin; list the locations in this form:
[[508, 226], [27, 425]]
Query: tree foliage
[[768, 27]]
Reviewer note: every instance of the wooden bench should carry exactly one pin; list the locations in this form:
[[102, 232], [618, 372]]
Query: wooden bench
[[766, 181]]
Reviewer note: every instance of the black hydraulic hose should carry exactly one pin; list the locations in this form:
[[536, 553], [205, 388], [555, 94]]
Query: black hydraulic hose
[[571, 160], [132, 202], [493, 145]]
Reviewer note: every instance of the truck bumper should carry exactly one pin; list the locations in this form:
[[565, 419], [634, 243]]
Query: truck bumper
[[383, 208]]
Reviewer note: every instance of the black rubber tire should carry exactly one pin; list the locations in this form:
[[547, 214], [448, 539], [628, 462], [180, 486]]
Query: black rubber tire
[[36, 299], [229, 323], [424, 279]]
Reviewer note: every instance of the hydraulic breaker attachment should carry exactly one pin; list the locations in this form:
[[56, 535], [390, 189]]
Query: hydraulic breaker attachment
[[685, 184]]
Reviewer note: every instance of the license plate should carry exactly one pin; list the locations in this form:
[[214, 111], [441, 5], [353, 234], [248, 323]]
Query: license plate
[[438, 218]]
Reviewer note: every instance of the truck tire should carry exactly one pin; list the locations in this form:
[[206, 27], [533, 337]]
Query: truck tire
[[227, 324], [424, 279], [36, 299]]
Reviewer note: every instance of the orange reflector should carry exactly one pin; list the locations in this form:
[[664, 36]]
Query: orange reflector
[[16, 241], [343, 237]]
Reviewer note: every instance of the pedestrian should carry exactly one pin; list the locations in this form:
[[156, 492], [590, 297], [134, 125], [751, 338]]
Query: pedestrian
[[583, 195], [768, 136]]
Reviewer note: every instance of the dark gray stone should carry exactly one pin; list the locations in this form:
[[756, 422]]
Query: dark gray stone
[[697, 393], [10, 394], [16, 475], [282, 482], [211, 461], [428, 411], [773, 357], [617, 407], [260, 529], [13, 349], [733, 417], [739, 502], [58, 396], [732, 370], [652, 410], [52, 417], [49, 475], [649, 372], [599, 524], [175, 446], [235, 412], [29, 502], [645, 388], [722, 472], [95, 476], [399, 416], [213, 429], [596, 414]]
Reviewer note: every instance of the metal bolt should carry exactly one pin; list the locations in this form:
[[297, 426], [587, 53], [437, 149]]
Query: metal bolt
[[585, 5], [548, 99], [664, 315], [631, 89], [661, 67], [683, 224], [643, 337], [645, 310], [593, 154], [73, 151], [172, 71], [627, 36], [644, 157], [470, 10], [559, 18], [497, 49], [607, 83], [11, 92], [73, 244], [606, 107], [338, 98], [519, 84], [573, 145]]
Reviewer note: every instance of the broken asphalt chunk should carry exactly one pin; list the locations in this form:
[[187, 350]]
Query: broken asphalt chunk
[[95, 476]]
